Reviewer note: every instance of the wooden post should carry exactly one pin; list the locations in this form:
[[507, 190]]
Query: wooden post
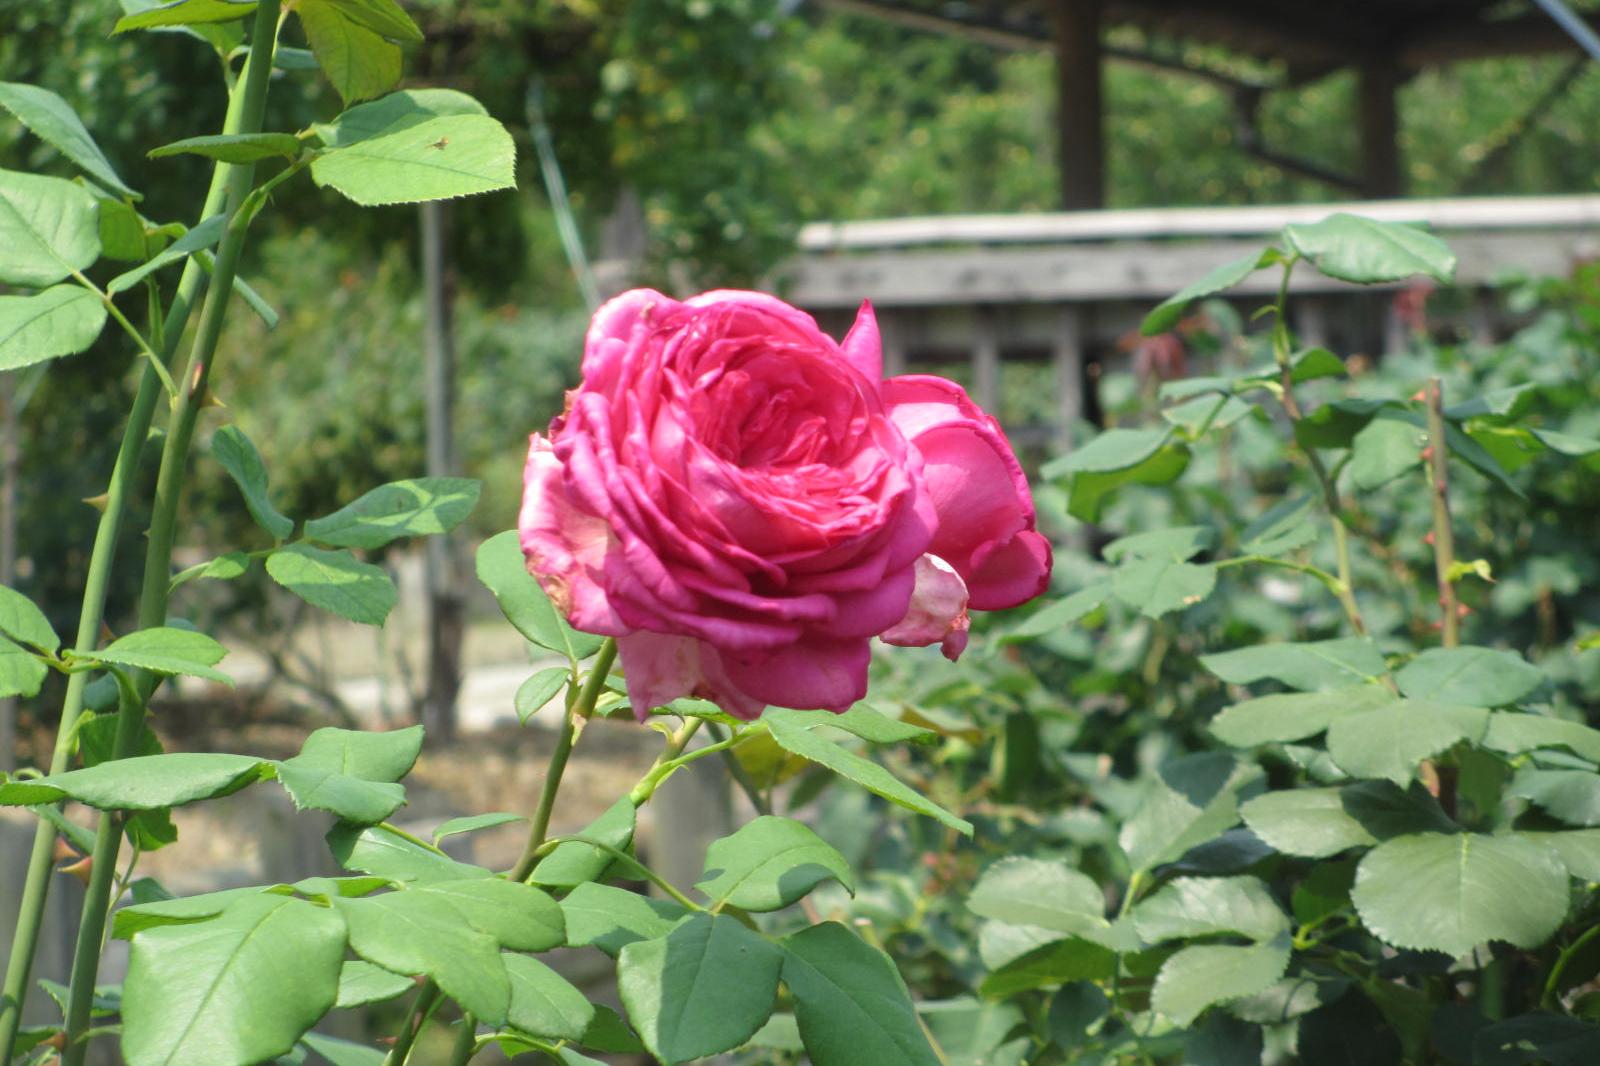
[[986, 362], [445, 607], [1068, 354], [894, 349], [1079, 102], [1380, 129]]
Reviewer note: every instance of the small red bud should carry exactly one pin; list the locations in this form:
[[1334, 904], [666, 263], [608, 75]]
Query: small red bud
[[1419, 396], [1428, 540], [1462, 610], [1427, 454]]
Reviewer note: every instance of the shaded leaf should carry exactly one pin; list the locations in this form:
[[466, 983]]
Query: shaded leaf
[[769, 863], [53, 121], [851, 1005], [334, 581], [414, 508], [238, 456]]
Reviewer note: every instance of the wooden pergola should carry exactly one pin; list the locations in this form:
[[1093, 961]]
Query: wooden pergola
[[1385, 41]]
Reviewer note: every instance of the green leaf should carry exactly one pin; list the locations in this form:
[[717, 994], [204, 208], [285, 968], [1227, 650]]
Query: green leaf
[[242, 289], [1115, 458], [850, 1002], [702, 989], [1452, 892], [543, 1003], [1289, 716], [1384, 449], [1158, 586], [504, 572], [181, 911], [1319, 664], [441, 158], [204, 235], [1189, 907], [1060, 614], [233, 147], [1176, 545], [1482, 677], [165, 650], [1365, 251], [1050, 965], [21, 673], [610, 918], [799, 740], [142, 783], [1309, 822], [122, 232], [53, 121], [453, 931], [573, 863], [1390, 741], [385, 853], [1579, 850], [1198, 977], [1191, 800], [1570, 795], [222, 568], [334, 581], [343, 1052], [1047, 894], [351, 773], [1335, 425], [861, 720], [768, 864], [539, 690], [185, 13], [970, 1031], [397, 111], [361, 983], [232, 991], [238, 456], [1207, 413], [414, 508], [49, 228], [1281, 529], [61, 320], [357, 60], [383, 17], [1386, 810], [1499, 404], [1169, 311], [21, 620], [472, 823], [1543, 1038], [1514, 732], [1315, 363]]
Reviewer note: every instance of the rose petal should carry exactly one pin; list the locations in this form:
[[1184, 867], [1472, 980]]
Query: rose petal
[[938, 610], [863, 345], [827, 675], [564, 545], [658, 669], [1013, 574]]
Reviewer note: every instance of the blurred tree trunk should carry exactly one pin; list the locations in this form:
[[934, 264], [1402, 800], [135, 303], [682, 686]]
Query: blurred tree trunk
[[445, 615]]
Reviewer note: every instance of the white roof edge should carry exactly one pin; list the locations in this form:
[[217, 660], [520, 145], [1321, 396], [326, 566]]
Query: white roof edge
[[1477, 213]]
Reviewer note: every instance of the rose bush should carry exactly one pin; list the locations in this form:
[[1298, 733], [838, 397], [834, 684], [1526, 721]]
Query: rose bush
[[744, 503]]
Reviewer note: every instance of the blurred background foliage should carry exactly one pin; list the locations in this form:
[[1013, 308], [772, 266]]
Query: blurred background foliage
[[731, 121]]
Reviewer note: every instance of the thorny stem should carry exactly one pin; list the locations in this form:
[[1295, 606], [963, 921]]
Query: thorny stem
[[1552, 985], [1330, 491], [1444, 540], [416, 1018], [666, 768], [741, 777], [163, 524], [581, 708], [466, 1041], [102, 558]]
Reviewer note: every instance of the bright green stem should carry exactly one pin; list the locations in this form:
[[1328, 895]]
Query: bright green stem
[[102, 558], [97, 901], [581, 708], [158, 558], [1444, 539], [466, 1041]]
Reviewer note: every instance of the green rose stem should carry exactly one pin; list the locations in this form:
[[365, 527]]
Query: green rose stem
[[163, 524], [1345, 590], [582, 707], [102, 557]]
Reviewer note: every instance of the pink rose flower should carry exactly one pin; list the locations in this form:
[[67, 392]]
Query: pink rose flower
[[744, 504]]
